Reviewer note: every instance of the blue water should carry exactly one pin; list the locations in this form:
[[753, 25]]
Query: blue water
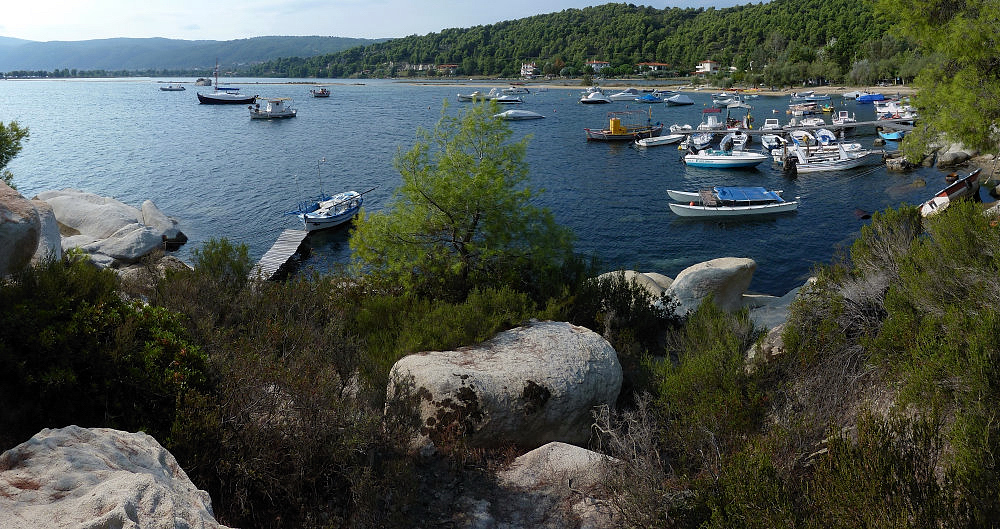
[[223, 175]]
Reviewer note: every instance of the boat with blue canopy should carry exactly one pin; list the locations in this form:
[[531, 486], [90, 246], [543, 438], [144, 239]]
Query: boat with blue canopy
[[726, 201]]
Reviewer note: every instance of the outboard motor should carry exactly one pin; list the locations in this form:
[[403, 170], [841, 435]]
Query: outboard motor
[[788, 167]]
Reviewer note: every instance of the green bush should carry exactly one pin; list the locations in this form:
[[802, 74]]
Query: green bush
[[74, 351]]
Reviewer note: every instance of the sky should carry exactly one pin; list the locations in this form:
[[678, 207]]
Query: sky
[[70, 20]]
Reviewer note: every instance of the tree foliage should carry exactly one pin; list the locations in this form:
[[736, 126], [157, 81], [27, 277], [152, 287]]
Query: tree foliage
[[959, 94], [11, 137], [462, 216], [780, 31]]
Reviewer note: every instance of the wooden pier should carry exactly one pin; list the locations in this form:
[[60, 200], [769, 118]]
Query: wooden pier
[[287, 245]]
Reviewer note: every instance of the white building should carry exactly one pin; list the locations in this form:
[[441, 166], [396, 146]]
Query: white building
[[528, 70], [706, 68], [598, 65]]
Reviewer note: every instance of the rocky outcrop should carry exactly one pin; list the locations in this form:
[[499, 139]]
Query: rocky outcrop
[[20, 230], [726, 279], [111, 232], [652, 282], [90, 478], [954, 154], [527, 386]]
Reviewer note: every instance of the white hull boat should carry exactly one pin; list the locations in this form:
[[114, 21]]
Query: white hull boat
[[274, 108], [518, 115], [332, 212], [823, 163], [722, 201], [659, 140], [594, 98], [725, 159], [678, 100], [629, 94]]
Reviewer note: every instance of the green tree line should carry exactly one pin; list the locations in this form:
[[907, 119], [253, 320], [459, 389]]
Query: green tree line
[[821, 38]]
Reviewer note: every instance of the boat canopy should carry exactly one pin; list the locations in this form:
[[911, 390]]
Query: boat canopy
[[744, 194]]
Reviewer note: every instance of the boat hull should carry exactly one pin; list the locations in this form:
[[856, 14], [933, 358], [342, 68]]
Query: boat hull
[[659, 140], [225, 99], [696, 210], [731, 160], [838, 164], [606, 135]]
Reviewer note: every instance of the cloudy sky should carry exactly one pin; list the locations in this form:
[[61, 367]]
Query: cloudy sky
[[235, 19]]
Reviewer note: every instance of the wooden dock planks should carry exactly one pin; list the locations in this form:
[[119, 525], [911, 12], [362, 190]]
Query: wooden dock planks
[[281, 251]]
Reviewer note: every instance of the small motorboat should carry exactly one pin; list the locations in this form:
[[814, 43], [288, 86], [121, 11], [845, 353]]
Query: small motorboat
[[476, 95], [891, 135], [701, 140], [771, 141], [320, 92], [967, 186], [648, 98], [626, 125], [656, 141], [507, 99], [720, 159], [629, 94], [518, 115], [274, 108], [678, 100], [329, 212], [173, 88], [726, 201], [594, 98]]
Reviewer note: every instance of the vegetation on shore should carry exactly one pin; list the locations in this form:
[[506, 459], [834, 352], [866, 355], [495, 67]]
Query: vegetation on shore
[[879, 413]]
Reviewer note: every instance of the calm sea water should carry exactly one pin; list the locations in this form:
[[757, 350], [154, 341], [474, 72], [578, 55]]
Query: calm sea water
[[223, 175]]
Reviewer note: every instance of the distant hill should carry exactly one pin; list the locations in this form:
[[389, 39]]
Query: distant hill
[[159, 53]]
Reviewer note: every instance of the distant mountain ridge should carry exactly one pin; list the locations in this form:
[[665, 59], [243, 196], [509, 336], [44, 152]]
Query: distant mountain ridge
[[160, 53]]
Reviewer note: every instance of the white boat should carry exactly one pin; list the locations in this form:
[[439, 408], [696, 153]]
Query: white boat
[[844, 119], [320, 91], [812, 122], [802, 163], [328, 212], [224, 95], [594, 98], [963, 187], [724, 159], [678, 128], [659, 140], [678, 100], [629, 94], [726, 201], [172, 88], [476, 95], [518, 115], [771, 124], [700, 141], [516, 90], [507, 99], [710, 119], [801, 96], [734, 140], [274, 108], [771, 141]]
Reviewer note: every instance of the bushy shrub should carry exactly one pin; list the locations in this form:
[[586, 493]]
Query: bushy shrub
[[75, 352]]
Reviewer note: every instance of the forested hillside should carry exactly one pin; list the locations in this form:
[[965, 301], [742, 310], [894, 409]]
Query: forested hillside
[[123, 54], [830, 33]]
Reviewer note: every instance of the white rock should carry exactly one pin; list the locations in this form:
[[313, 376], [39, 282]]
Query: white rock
[[98, 478], [19, 230], [49, 241], [527, 386], [153, 217], [128, 243], [88, 213], [726, 278]]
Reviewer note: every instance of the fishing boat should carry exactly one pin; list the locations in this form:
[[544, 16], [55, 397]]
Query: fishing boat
[[844, 120], [332, 211], [224, 95], [727, 201], [721, 159], [960, 188], [518, 115], [656, 141], [626, 125], [274, 108], [678, 100], [172, 88], [700, 141], [802, 162], [771, 141], [320, 92], [710, 119]]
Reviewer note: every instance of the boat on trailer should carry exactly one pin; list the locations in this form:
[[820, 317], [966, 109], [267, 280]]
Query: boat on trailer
[[728, 201]]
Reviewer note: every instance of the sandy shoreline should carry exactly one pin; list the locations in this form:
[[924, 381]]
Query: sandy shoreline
[[621, 85]]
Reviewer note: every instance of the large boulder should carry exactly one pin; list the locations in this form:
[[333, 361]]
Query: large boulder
[[652, 282], [111, 232], [98, 478], [726, 279], [49, 240], [20, 230], [954, 154], [527, 386]]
